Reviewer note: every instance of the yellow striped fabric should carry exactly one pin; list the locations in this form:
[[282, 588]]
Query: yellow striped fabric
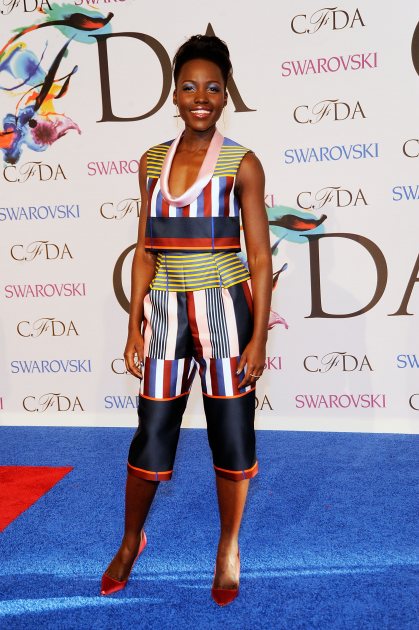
[[229, 160], [197, 271], [155, 158], [227, 164]]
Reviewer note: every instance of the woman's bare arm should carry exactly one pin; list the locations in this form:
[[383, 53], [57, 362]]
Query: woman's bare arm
[[251, 193], [142, 273]]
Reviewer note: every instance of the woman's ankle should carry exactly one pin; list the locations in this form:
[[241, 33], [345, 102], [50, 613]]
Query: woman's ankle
[[131, 540], [228, 545]]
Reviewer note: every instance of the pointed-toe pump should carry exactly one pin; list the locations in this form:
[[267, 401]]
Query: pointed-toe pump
[[224, 596], [109, 584]]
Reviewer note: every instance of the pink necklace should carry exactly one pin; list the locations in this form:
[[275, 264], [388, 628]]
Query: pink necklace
[[205, 172]]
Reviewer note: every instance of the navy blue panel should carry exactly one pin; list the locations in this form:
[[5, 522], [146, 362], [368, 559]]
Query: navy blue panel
[[193, 227]]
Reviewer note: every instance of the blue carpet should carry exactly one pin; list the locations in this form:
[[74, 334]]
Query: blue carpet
[[329, 536]]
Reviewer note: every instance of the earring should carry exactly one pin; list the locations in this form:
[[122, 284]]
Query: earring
[[224, 120], [177, 115]]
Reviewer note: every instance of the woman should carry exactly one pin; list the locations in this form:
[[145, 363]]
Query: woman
[[193, 296]]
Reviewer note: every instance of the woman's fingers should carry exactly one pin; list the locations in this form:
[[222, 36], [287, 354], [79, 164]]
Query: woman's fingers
[[240, 368], [134, 362], [253, 370], [253, 373], [241, 364]]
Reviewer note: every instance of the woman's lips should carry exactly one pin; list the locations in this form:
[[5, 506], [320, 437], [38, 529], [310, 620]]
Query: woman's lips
[[200, 113]]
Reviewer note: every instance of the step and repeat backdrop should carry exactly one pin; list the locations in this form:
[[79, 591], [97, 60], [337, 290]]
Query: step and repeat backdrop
[[327, 97]]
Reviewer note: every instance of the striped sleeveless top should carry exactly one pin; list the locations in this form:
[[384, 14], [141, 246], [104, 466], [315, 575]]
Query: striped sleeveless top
[[207, 216], [196, 236]]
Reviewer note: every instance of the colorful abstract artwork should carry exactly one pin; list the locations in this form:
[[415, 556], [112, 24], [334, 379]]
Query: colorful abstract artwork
[[292, 225], [38, 88]]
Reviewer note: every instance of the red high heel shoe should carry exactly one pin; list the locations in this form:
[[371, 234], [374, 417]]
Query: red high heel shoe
[[109, 584], [224, 596]]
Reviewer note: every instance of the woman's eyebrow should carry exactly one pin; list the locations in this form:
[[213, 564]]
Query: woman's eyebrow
[[193, 81]]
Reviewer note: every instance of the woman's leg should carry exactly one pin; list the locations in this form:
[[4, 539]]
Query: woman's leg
[[231, 435], [152, 452], [139, 496], [231, 501]]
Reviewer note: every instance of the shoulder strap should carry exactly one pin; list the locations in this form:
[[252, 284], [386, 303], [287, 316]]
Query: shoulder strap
[[231, 155], [155, 158]]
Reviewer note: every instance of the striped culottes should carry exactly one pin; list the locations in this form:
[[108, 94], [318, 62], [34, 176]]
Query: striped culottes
[[186, 332]]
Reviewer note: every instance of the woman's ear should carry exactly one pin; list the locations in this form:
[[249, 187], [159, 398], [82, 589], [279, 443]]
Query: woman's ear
[[174, 97]]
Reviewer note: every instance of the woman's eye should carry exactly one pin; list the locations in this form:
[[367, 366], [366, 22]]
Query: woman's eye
[[214, 88], [188, 88]]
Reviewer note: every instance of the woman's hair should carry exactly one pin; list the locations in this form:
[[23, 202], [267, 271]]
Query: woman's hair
[[207, 47]]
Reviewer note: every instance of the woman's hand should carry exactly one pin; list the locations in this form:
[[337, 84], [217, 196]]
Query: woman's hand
[[134, 354], [253, 357]]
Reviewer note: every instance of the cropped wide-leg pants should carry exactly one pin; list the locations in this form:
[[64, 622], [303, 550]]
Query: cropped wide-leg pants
[[202, 331]]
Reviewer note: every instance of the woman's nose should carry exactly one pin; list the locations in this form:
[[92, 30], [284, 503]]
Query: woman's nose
[[201, 96]]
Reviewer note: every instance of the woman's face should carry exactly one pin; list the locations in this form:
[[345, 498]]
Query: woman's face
[[200, 94]]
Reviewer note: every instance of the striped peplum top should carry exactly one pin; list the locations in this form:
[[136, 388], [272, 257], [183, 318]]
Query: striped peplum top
[[176, 271], [207, 216]]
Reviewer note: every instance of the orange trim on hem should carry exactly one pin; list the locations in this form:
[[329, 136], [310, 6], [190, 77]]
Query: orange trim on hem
[[149, 475], [236, 396], [162, 399], [238, 475]]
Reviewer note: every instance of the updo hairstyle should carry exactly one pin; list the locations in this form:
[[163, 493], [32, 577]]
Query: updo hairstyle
[[207, 47]]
